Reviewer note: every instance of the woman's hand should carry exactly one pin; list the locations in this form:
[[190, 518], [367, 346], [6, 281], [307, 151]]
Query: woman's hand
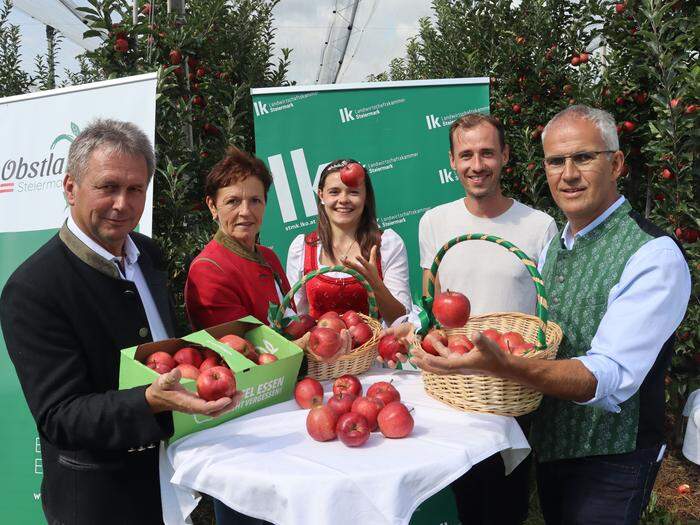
[[405, 333], [345, 347], [368, 269]]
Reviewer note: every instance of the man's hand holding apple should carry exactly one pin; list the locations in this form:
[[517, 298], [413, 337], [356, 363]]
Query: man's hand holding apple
[[166, 393]]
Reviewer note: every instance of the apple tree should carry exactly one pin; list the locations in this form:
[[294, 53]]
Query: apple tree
[[634, 58], [207, 60]]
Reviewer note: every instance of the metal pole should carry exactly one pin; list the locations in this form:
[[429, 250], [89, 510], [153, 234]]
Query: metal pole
[[135, 11]]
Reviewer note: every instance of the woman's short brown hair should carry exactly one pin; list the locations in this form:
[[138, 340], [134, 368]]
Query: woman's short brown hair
[[236, 166]]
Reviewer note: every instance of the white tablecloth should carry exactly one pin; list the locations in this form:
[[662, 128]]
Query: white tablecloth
[[265, 465]]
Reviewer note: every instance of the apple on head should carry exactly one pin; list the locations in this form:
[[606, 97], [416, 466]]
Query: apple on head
[[352, 174]]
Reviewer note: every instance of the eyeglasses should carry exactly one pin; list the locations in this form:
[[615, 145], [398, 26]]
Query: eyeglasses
[[580, 160]]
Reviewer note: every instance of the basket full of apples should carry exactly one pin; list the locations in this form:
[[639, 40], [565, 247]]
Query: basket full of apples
[[528, 336], [325, 333]]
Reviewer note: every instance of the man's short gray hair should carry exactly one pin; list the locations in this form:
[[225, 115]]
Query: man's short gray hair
[[115, 136], [603, 120]]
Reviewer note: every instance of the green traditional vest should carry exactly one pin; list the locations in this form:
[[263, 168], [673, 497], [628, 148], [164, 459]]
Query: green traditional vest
[[578, 282]]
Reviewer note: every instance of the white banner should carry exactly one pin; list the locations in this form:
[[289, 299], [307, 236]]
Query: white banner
[[37, 130]]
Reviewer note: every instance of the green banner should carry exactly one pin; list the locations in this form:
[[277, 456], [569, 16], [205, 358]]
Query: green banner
[[398, 131]]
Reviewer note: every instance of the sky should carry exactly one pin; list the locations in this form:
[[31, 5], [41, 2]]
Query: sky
[[380, 33]]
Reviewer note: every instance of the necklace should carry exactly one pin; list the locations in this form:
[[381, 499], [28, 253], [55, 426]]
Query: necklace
[[348, 251]]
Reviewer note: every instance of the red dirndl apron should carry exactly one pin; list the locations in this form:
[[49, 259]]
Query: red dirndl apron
[[326, 293]]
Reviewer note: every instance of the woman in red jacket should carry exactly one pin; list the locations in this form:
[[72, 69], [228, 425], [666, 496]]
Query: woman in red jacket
[[234, 276]]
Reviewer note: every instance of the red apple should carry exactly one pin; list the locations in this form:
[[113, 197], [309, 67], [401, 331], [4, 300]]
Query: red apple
[[325, 342], [188, 355], [159, 367], [352, 429], [341, 403], [492, 334], [215, 383], [208, 352], [351, 318], [210, 362], [427, 344], [384, 391], [509, 340], [459, 343], [266, 359], [334, 322], [369, 407], [395, 421], [188, 371], [299, 326], [522, 349], [175, 57], [389, 346], [360, 333], [684, 488], [308, 392], [320, 423], [235, 342], [347, 384], [451, 309], [163, 358], [352, 174], [241, 346]]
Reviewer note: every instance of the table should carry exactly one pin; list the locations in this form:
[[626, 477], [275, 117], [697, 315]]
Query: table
[[265, 465]]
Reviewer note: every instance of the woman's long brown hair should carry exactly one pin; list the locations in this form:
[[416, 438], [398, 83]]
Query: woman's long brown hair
[[368, 233]]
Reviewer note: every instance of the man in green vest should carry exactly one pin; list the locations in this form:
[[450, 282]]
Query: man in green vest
[[619, 287]]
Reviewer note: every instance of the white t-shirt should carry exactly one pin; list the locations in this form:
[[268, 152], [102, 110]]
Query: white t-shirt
[[394, 262], [493, 279]]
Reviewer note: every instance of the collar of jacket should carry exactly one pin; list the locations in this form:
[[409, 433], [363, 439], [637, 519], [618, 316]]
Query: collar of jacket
[[236, 247], [85, 254]]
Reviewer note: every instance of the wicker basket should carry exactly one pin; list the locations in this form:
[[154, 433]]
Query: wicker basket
[[494, 395], [359, 360]]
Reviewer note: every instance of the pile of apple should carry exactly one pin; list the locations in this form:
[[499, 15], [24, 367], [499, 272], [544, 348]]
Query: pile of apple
[[511, 342], [325, 340], [351, 416], [213, 376]]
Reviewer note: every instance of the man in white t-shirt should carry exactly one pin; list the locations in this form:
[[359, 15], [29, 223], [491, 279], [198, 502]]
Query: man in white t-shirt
[[492, 278]]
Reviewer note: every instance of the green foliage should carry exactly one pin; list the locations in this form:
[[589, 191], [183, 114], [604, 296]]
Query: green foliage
[[642, 67], [13, 80], [207, 61]]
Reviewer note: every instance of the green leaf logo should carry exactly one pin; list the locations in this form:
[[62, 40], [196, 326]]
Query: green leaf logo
[[63, 136]]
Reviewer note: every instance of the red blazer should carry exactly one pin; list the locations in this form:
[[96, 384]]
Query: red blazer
[[222, 286]]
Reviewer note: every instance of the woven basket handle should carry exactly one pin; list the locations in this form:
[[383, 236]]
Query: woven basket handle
[[542, 311], [287, 299]]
